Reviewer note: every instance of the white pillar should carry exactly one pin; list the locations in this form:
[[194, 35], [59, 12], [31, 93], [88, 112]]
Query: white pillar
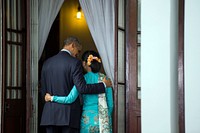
[[159, 46], [192, 66]]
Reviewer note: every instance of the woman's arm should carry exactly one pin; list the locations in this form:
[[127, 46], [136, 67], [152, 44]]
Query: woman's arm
[[109, 98], [70, 98]]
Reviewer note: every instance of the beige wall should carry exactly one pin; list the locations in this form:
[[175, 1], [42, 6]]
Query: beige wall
[[71, 26]]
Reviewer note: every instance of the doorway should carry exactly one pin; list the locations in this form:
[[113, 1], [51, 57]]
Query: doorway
[[66, 24], [127, 86]]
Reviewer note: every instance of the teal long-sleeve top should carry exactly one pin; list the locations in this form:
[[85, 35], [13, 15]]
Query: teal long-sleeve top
[[90, 101]]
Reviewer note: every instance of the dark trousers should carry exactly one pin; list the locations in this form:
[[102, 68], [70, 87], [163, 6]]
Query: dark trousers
[[61, 129]]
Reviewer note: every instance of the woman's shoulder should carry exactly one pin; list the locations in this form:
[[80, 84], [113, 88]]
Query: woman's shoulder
[[94, 74], [102, 74], [91, 77]]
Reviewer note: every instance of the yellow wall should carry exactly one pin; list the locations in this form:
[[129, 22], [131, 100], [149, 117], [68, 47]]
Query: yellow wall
[[71, 26]]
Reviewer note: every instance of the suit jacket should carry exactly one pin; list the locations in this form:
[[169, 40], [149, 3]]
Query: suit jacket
[[59, 74]]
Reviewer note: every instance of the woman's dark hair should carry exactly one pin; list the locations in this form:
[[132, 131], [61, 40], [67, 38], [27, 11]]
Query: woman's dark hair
[[95, 65]]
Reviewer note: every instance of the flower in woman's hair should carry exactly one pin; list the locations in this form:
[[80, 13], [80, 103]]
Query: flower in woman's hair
[[91, 58]]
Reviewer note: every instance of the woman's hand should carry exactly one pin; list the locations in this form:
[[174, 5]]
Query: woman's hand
[[47, 97]]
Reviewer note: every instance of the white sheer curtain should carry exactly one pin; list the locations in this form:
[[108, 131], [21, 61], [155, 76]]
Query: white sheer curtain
[[100, 19], [48, 10]]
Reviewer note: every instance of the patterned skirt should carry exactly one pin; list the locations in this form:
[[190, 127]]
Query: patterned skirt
[[89, 121]]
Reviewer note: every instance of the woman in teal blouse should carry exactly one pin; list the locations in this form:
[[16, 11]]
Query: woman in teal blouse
[[97, 108]]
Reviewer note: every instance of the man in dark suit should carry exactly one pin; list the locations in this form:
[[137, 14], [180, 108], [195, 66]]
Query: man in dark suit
[[59, 74]]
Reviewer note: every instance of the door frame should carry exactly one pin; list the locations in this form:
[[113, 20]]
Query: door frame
[[3, 67], [28, 69], [133, 104], [181, 92]]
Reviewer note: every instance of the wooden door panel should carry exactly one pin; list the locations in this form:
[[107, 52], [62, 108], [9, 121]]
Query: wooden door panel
[[139, 123], [14, 45], [14, 124], [127, 67], [14, 108]]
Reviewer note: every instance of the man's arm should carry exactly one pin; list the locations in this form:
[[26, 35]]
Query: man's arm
[[43, 84], [81, 85]]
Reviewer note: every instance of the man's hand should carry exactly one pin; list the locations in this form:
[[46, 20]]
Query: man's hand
[[47, 97], [107, 82]]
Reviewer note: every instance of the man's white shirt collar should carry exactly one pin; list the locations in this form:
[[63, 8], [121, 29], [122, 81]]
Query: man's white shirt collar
[[66, 51]]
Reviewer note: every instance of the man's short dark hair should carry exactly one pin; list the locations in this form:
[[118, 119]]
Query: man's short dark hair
[[71, 40]]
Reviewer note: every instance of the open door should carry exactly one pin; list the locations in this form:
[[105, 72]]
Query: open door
[[14, 66], [127, 113]]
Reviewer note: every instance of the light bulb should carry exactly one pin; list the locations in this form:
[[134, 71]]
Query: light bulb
[[78, 15]]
